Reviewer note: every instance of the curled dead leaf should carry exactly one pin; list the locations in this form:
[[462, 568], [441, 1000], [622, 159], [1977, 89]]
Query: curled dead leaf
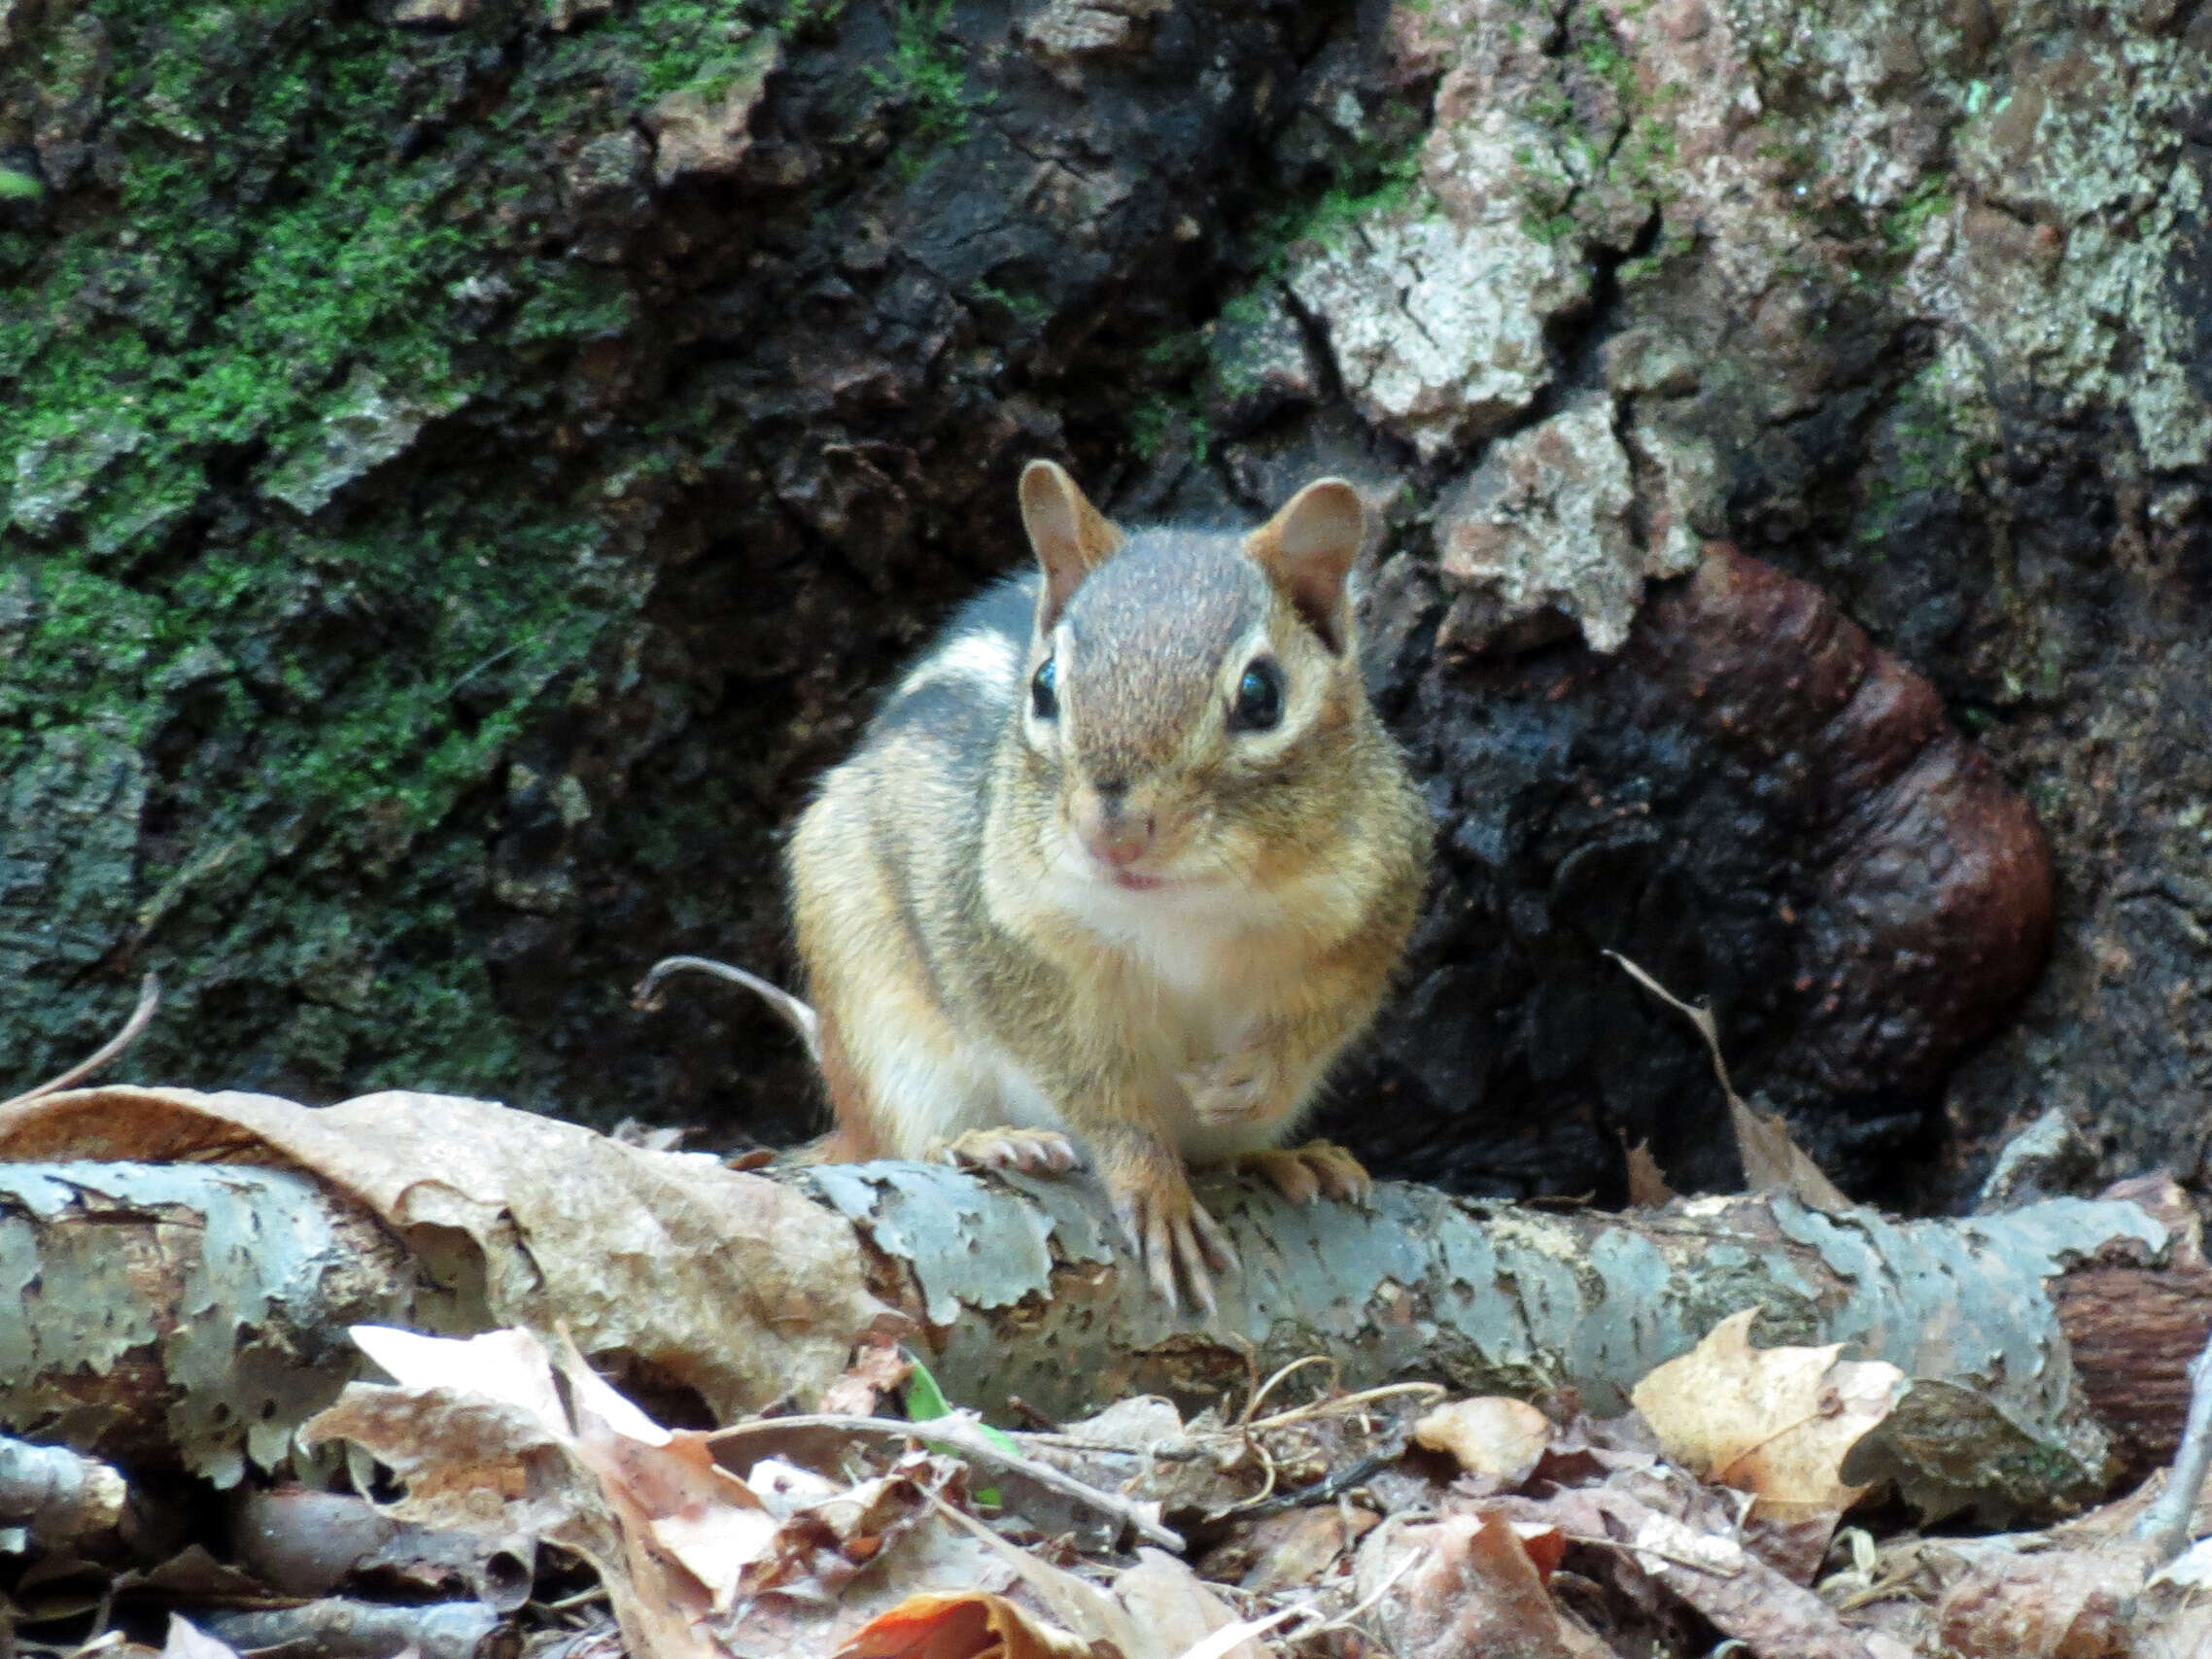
[[964, 1624], [1491, 1436], [1774, 1422], [729, 1284], [1470, 1587]]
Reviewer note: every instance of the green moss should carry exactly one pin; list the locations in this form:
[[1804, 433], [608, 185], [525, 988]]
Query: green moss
[[1548, 226], [309, 698], [1922, 446], [1371, 178], [1162, 419], [1902, 224], [1023, 305], [928, 77]]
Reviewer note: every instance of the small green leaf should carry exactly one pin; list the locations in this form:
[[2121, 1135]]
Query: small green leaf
[[18, 187], [924, 1399]]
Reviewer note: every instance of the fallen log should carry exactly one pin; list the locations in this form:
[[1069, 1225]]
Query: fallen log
[[742, 1288]]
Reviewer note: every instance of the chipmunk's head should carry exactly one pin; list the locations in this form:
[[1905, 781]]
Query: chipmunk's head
[[1190, 693]]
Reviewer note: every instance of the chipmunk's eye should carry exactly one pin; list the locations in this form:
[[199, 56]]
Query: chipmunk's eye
[[1258, 697], [1044, 695]]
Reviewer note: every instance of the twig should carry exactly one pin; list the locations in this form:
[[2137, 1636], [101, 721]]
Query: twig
[[962, 1429], [1701, 1017], [1329, 1488], [345, 1629], [141, 1017], [2165, 1525], [1367, 1604], [794, 1012], [58, 1494], [1260, 1393], [1344, 1402], [1671, 1559]]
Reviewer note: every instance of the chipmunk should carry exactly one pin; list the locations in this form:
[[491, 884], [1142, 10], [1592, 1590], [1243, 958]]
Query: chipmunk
[[1119, 868]]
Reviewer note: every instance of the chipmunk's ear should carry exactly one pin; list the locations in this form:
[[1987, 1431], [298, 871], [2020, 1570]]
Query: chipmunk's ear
[[1307, 551], [1071, 536]]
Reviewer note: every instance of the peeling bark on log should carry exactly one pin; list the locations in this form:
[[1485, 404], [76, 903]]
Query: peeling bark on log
[[1025, 1298], [196, 1313], [167, 1315]]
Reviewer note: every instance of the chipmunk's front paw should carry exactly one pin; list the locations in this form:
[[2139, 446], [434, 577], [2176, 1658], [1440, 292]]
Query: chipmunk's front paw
[[1032, 1152], [1237, 1089], [1303, 1173], [1172, 1233]]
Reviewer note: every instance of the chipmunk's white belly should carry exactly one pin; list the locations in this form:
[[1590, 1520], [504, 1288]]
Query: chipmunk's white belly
[[1191, 953], [1172, 978]]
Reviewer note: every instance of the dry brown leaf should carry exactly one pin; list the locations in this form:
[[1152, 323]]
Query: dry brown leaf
[[1774, 1422], [690, 1508], [1141, 1448], [729, 1284], [1772, 1161], [187, 1641], [1647, 1187], [1296, 1547], [485, 1461], [1473, 1589], [2054, 1604], [2174, 1621], [962, 1624], [1174, 1609], [511, 1367], [1705, 1567], [1491, 1436], [665, 1486], [878, 1370], [1545, 1546], [1771, 1158], [935, 1555], [1795, 1545], [1076, 1604], [2192, 1569]]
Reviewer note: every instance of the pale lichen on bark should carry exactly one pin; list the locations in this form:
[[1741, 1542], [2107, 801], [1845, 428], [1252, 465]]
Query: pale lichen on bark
[[194, 1308], [1508, 1299]]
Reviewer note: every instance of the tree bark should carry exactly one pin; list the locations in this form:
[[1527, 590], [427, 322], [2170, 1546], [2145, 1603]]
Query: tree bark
[[185, 1315], [195, 1314]]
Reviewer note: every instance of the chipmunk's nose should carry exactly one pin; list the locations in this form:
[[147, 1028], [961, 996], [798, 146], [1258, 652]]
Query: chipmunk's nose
[[1111, 830]]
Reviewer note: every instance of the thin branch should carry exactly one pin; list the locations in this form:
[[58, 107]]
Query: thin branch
[[962, 1430], [1682, 1561], [2165, 1525], [58, 1494], [794, 1012], [141, 1017], [1701, 1017], [1367, 1604]]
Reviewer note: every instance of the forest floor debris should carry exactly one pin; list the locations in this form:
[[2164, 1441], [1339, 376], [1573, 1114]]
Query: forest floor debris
[[1481, 1526], [504, 1496]]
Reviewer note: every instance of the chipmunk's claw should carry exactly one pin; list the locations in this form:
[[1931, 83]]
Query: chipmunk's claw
[[1177, 1242], [1305, 1173], [1031, 1152]]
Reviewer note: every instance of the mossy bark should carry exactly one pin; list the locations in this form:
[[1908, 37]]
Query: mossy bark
[[466, 463], [462, 464]]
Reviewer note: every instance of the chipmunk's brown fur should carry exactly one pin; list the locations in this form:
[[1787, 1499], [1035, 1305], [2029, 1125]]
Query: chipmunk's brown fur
[[1127, 917]]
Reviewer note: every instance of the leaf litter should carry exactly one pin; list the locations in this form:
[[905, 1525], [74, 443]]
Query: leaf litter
[[1392, 1520]]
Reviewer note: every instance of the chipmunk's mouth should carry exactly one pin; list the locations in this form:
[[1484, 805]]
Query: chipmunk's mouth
[[1137, 882]]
